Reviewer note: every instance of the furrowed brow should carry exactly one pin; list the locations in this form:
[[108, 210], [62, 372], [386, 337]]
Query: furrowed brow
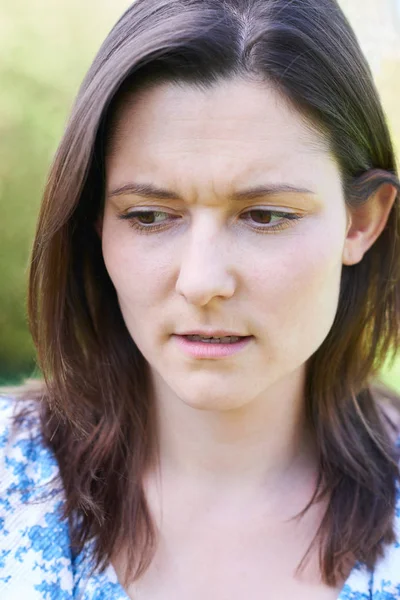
[[269, 190], [144, 190], [151, 191]]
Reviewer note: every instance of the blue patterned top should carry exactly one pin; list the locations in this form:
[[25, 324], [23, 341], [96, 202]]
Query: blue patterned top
[[36, 562]]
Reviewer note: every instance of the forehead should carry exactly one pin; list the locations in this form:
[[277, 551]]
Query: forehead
[[231, 132]]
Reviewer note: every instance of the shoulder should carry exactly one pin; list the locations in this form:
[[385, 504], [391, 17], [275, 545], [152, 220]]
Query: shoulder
[[34, 542], [26, 463]]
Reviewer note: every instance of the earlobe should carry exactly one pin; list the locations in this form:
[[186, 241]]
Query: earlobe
[[367, 223]]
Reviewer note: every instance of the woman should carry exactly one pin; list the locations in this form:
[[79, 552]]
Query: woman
[[215, 284]]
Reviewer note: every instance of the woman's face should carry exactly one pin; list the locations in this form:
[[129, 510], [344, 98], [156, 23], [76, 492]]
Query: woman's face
[[242, 230]]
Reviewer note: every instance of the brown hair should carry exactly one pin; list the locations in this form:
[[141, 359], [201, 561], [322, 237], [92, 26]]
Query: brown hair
[[97, 399]]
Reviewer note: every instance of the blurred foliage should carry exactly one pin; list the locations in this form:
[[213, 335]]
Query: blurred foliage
[[45, 50]]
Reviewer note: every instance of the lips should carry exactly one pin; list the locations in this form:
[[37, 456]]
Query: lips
[[209, 348]]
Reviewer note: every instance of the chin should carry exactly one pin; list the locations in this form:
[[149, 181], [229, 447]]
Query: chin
[[203, 391], [209, 402]]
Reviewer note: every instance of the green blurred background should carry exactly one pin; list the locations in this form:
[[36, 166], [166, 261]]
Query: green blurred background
[[46, 47]]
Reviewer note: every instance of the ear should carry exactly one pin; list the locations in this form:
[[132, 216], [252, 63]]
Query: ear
[[366, 223]]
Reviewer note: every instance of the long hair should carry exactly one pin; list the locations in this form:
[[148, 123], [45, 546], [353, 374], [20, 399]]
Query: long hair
[[97, 400]]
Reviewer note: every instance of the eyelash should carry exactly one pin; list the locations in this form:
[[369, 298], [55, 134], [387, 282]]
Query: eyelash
[[146, 229]]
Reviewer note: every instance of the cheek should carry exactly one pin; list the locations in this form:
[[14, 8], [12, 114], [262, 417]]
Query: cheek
[[297, 290], [136, 276]]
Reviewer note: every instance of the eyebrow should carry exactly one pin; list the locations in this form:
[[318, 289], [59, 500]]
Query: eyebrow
[[150, 191]]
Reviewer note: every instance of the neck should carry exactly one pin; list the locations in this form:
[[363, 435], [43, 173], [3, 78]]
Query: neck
[[257, 446]]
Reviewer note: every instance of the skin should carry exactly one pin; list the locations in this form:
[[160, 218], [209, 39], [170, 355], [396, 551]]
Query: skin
[[231, 432]]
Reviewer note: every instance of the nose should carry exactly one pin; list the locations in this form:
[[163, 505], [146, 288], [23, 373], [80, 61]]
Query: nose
[[206, 267]]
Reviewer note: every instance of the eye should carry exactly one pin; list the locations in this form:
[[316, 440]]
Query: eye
[[151, 217], [147, 220], [266, 219]]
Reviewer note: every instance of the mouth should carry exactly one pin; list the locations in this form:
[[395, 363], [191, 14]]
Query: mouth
[[214, 339], [208, 347]]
